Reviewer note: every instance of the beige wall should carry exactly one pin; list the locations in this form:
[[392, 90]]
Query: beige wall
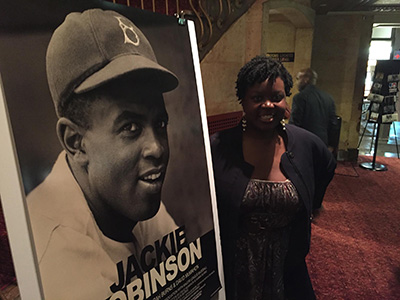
[[220, 66], [335, 45], [340, 54], [290, 28], [264, 28], [219, 69], [283, 36]]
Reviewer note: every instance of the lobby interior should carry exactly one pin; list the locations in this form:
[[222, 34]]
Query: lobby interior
[[340, 40], [334, 37]]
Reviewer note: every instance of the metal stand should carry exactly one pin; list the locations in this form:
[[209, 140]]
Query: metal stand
[[395, 138], [365, 128], [373, 165], [362, 135]]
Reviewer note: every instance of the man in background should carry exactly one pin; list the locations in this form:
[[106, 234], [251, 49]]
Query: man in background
[[313, 109]]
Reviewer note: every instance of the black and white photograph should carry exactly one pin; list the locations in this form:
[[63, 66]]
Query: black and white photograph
[[108, 134], [374, 117], [393, 77], [389, 118], [375, 107], [389, 105], [375, 97], [379, 76], [376, 88]]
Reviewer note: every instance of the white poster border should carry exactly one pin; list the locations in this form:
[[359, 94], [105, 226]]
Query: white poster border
[[199, 82], [15, 211]]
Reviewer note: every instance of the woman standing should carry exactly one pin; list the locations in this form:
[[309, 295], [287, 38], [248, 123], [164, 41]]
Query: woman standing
[[269, 177]]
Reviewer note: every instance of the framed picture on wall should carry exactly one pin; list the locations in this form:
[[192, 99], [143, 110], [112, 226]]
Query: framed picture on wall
[[106, 173]]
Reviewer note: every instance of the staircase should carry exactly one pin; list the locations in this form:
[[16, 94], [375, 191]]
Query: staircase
[[211, 17]]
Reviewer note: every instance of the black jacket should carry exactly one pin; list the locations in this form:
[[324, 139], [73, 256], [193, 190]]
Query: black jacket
[[314, 110], [306, 162]]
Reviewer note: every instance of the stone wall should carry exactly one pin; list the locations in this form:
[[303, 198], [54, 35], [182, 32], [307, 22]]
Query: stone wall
[[335, 45], [340, 55], [268, 26], [220, 66]]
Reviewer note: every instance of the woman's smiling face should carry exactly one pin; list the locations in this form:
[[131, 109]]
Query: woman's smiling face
[[264, 104]]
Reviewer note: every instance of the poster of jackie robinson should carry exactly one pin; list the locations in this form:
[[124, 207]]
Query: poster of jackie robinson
[[104, 112]]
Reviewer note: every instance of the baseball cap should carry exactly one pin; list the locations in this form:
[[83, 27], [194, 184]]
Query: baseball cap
[[96, 46]]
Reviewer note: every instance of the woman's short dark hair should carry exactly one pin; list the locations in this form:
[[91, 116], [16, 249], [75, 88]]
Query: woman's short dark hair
[[259, 69]]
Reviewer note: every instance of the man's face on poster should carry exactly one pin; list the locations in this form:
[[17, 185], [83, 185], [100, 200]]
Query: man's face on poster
[[127, 149]]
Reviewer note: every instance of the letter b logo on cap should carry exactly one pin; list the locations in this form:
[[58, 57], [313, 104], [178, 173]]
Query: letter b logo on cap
[[126, 29]]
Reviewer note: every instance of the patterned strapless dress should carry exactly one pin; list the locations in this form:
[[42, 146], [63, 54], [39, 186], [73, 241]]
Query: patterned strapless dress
[[267, 209]]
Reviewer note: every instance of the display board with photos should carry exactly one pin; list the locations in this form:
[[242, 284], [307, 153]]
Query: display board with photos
[[130, 224], [384, 92]]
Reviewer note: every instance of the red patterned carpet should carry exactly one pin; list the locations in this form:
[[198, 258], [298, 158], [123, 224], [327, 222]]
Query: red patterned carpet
[[355, 248]]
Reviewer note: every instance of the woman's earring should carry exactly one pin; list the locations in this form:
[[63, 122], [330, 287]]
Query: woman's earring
[[283, 124], [244, 123]]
